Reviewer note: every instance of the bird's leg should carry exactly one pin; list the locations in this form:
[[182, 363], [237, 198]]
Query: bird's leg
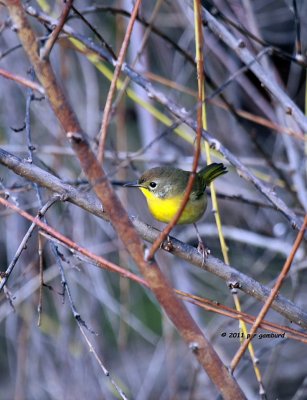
[[201, 248], [167, 244]]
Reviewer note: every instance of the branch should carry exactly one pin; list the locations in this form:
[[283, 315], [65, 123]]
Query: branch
[[23, 81], [118, 67], [90, 203], [46, 50]]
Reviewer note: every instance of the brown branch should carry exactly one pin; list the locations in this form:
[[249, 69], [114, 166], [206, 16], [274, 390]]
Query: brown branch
[[99, 261], [174, 308], [219, 308], [119, 63], [45, 51], [282, 276], [23, 81]]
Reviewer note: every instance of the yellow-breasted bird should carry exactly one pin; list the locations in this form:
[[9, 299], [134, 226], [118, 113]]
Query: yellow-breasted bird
[[164, 189]]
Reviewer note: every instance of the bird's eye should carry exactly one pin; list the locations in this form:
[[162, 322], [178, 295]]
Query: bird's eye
[[152, 185]]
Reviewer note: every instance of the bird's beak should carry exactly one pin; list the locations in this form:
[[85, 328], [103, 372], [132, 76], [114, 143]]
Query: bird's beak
[[132, 184]]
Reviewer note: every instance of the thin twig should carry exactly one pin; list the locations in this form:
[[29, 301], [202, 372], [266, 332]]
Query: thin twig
[[282, 276], [41, 280], [100, 363], [298, 43], [118, 67], [23, 81], [92, 28], [140, 49], [233, 76], [25, 239], [45, 51]]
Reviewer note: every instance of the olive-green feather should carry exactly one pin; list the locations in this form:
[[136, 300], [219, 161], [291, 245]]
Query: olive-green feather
[[211, 172]]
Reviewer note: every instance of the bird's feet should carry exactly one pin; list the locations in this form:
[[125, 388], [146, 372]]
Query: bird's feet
[[167, 244], [202, 249]]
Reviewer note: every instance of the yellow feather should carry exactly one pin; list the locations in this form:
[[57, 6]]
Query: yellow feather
[[164, 209]]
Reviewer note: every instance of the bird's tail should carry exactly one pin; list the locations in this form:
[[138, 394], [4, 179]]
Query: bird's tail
[[212, 171]]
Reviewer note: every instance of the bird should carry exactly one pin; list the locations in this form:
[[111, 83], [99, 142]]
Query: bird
[[164, 189]]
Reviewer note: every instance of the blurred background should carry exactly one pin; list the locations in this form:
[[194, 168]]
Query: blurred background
[[132, 337]]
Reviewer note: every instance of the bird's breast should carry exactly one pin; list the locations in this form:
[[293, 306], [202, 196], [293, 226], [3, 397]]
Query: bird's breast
[[164, 209]]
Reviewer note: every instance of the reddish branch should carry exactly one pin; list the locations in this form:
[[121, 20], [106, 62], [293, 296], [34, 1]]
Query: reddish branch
[[282, 276], [107, 110], [23, 81], [45, 51], [99, 261]]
